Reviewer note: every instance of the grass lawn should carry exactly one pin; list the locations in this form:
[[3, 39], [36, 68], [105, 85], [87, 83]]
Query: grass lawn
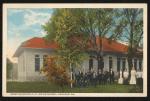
[[46, 87]]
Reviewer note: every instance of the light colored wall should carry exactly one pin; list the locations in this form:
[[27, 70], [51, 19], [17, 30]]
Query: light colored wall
[[106, 63], [114, 66], [21, 71], [15, 73], [85, 65], [31, 74], [26, 64]]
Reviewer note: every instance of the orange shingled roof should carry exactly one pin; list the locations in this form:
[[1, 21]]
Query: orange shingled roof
[[107, 45], [39, 43], [112, 45]]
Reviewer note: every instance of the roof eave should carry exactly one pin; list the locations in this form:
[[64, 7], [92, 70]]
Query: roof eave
[[18, 52]]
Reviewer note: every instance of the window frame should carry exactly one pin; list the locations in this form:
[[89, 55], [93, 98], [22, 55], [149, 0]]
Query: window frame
[[123, 63], [118, 64], [135, 63], [110, 62], [36, 58]]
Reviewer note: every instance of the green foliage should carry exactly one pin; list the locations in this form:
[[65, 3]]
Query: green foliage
[[87, 23], [55, 72], [130, 28], [84, 24], [133, 26], [49, 87], [63, 28], [74, 57]]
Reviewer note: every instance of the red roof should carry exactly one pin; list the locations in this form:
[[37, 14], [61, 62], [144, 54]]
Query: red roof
[[39, 43], [107, 45], [112, 45]]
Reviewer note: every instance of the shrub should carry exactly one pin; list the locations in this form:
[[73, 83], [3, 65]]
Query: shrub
[[55, 72]]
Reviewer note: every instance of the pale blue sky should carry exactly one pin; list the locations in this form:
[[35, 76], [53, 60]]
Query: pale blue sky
[[24, 24]]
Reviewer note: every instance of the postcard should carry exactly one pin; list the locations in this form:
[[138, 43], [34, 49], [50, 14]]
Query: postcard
[[74, 50]]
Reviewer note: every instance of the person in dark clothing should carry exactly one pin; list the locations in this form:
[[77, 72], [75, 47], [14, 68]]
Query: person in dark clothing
[[111, 76], [139, 79], [81, 79], [89, 78], [106, 77], [99, 77], [85, 80], [77, 79], [90, 63], [102, 78], [100, 63], [94, 78]]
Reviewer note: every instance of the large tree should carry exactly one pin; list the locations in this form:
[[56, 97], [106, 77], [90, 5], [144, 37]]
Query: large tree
[[62, 28], [68, 27], [131, 31], [90, 24], [97, 23]]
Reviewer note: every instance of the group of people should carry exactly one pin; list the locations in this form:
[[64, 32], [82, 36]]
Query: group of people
[[136, 77], [93, 78]]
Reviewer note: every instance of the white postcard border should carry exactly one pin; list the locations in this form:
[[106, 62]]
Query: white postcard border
[[77, 5]]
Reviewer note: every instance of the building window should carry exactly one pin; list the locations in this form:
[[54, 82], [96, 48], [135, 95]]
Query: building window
[[118, 64], [123, 64], [100, 63], [140, 64], [37, 62], [110, 63], [45, 60], [90, 63], [135, 64]]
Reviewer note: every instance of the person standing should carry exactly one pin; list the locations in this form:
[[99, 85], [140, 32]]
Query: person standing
[[125, 76], [99, 76], [80, 78], [120, 81], [89, 78], [139, 78], [77, 79], [111, 76], [94, 78], [102, 77], [133, 76]]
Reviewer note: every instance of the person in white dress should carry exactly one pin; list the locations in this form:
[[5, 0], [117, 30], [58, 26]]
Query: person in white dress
[[125, 76], [120, 81], [139, 78], [133, 76]]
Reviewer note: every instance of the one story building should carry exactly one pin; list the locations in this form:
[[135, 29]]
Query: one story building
[[31, 55]]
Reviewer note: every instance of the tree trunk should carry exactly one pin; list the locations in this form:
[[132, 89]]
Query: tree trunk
[[71, 75], [99, 55], [131, 54]]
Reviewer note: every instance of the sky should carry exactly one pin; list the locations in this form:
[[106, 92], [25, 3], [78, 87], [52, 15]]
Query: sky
[[23, 24]]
